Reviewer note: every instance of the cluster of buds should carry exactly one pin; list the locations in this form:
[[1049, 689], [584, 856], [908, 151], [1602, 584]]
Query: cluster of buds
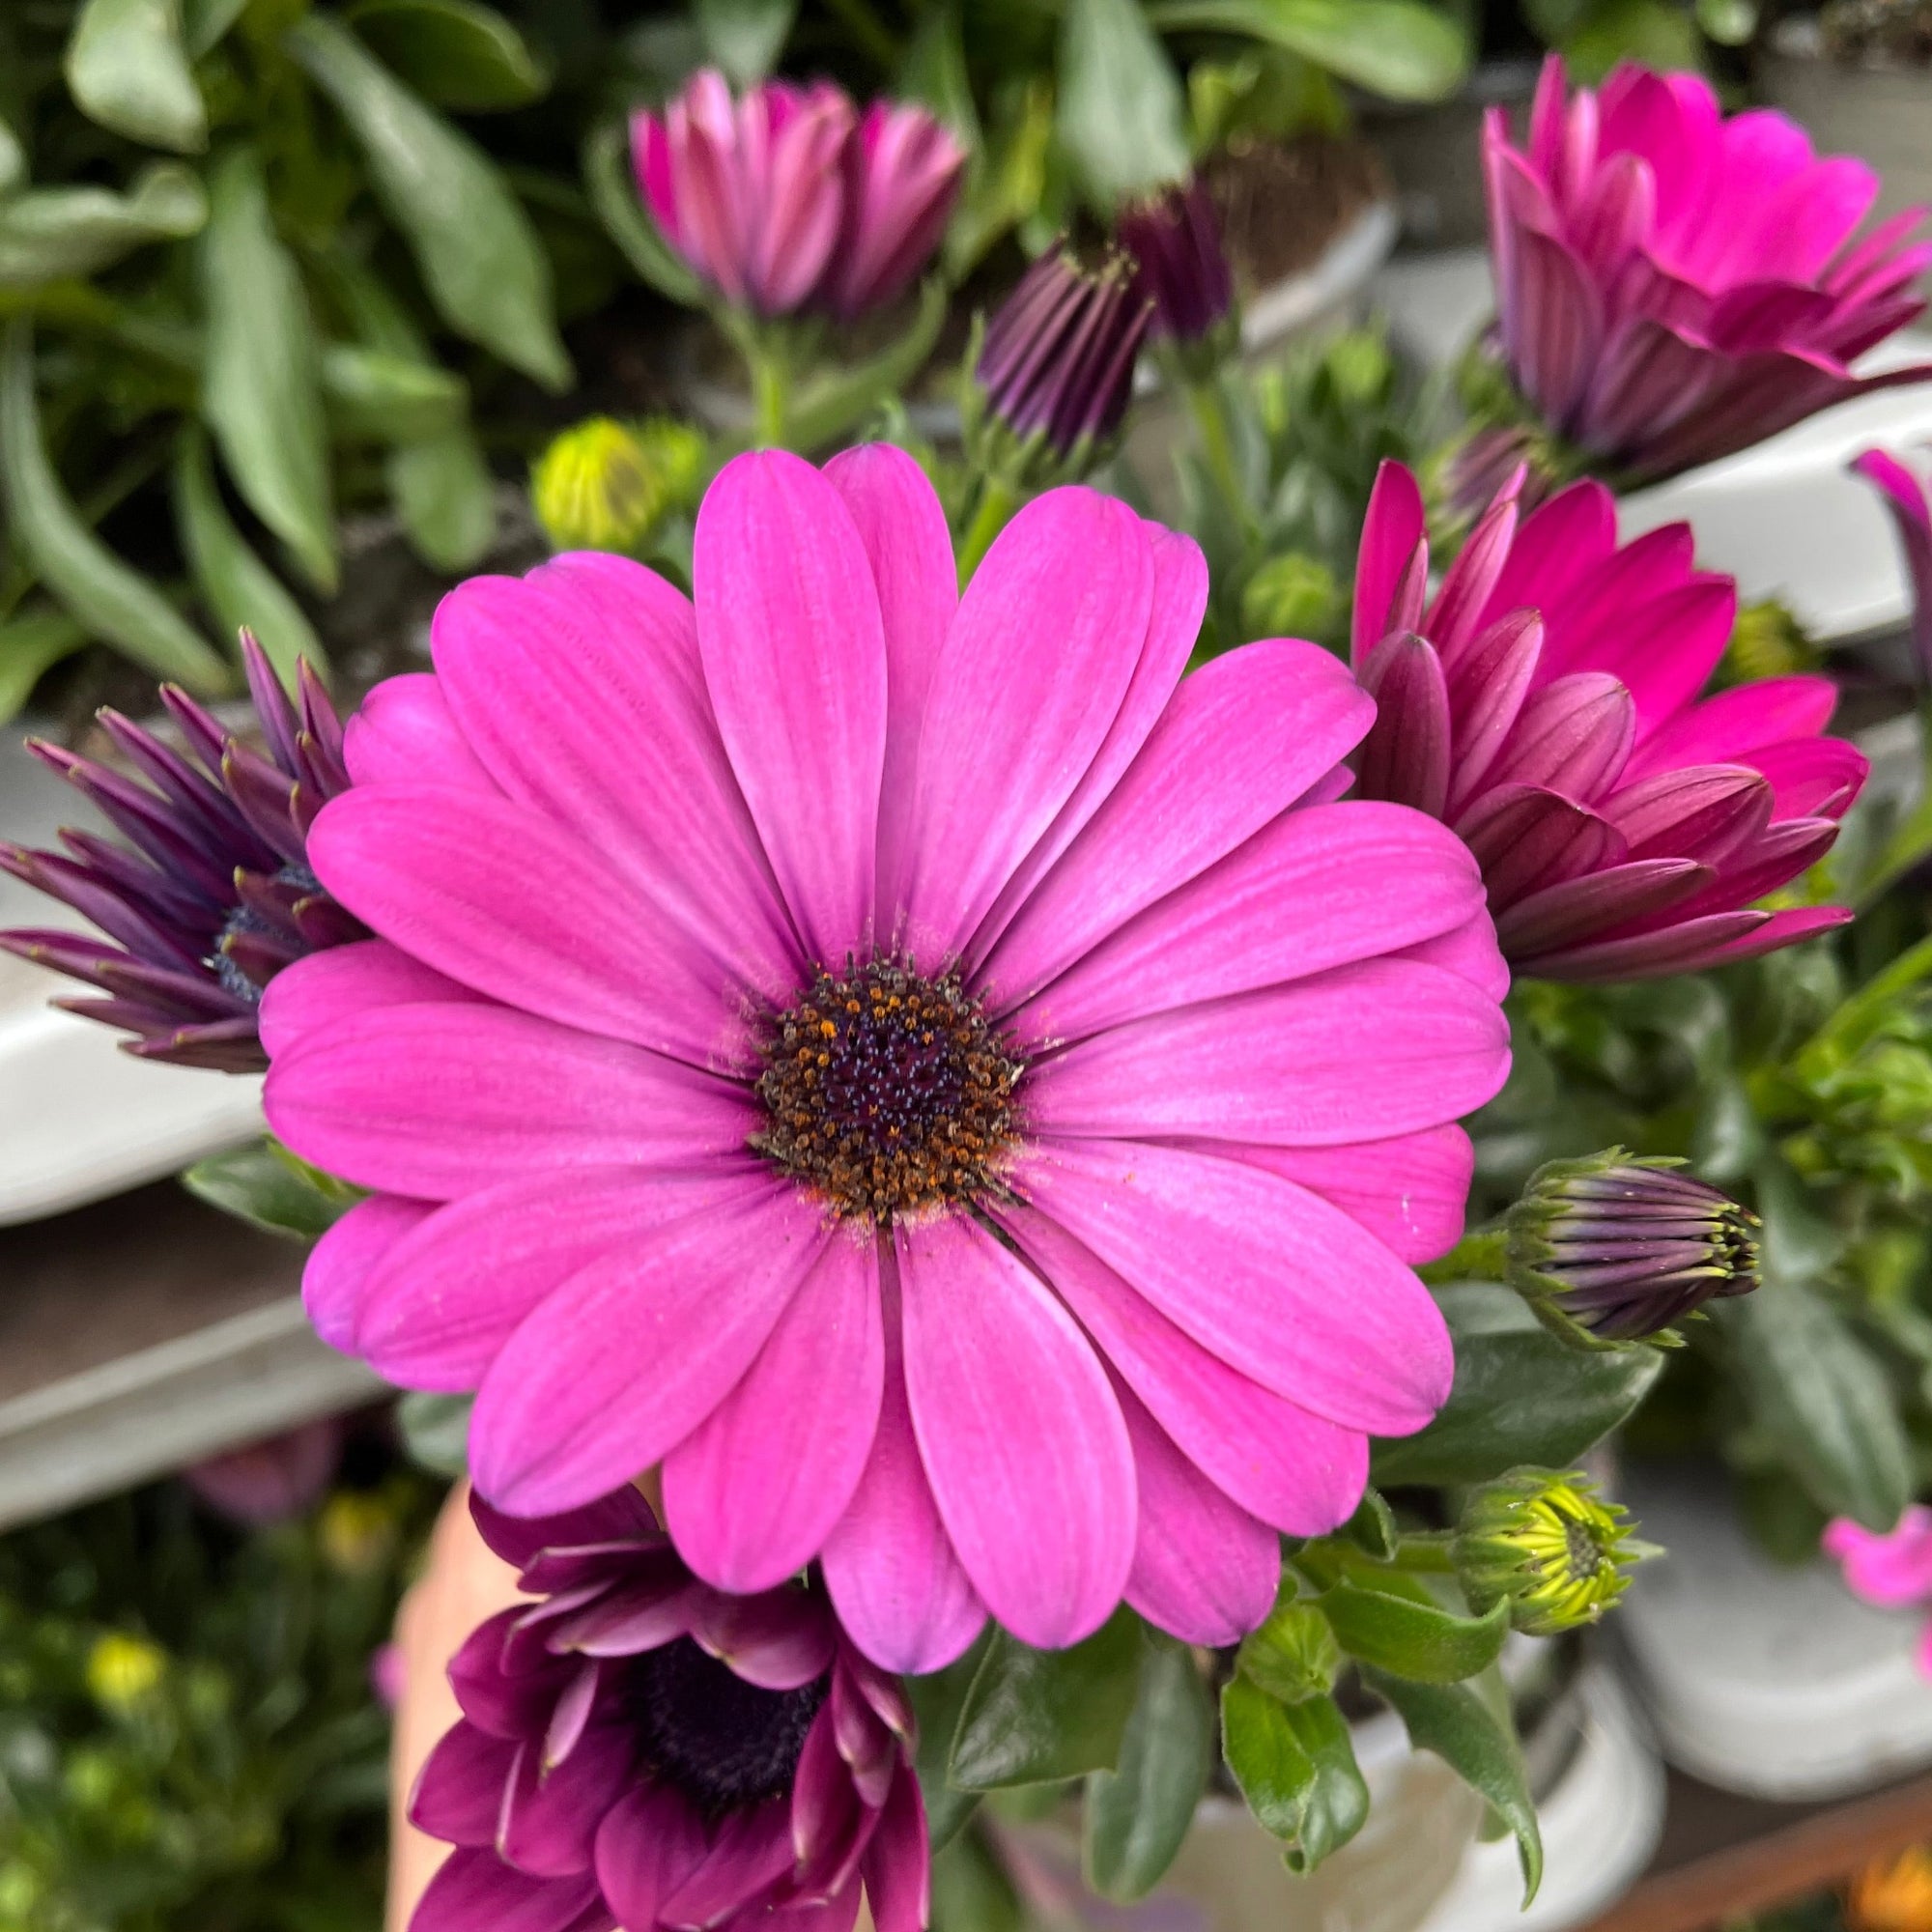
[[1550, 1545], [1615, 1248]]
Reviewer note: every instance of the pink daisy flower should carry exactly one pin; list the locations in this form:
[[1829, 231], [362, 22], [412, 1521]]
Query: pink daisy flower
[[1892, 1569], [960, 1096], [1673, 286], [1545, 704]]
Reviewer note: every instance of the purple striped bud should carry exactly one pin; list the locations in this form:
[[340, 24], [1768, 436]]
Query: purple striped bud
[[1175, 238], [1616, 1248]]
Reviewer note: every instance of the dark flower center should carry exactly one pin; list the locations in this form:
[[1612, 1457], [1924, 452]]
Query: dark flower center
[[1584, 1550], [726, 1744], [888, 1091], [245, 920]]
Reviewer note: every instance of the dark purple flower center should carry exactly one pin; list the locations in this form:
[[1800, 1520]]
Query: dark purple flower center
[[246, 922], [726, 1744], [887, 1093]]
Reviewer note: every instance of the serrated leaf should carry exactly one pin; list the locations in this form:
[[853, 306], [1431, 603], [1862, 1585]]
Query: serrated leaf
[[1034, 1716], [261, 387], [1520, 1395], [1295, 1764], [1458, 1725], [127, 68], [481, 260], [1138, 1813]]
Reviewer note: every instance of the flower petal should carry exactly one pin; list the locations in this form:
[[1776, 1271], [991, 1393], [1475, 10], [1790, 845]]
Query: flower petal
[[1030, 685], [1265, 1274], [751, 1495], [794, 652], [650, 1841], [630, 1355], [1020, 1435], [404, 733], [473, 1886], [1392, 532], [458, 1791], [336, 1276], [343, 980]]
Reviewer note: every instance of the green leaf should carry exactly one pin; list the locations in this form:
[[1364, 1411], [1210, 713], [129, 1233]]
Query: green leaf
[[970, 1889], [1293, 1655], [1657, 33], [1137, 1815], [58, 233], [127, 68], [453, 52], [262, 390], [1372, 1528], [1123, 113], [1455, 1722], [13, 159], [746, 37], [205, 23], [826, 408], [435, 1431], [446, 496], [29, 645], [615, 199], [480, 257], [1402, 49], [264, 1184], [937, 1700], [378, 397], [114, 602], [1413, 1639], [1821, 1397], [236, 585], [1520, 1395], [1033, 1716], [1296, 1765]]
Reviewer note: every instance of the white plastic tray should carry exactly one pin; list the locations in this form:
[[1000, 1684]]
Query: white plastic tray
[[80, 1120]]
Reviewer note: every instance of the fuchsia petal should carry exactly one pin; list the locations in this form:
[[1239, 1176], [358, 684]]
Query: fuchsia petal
[[1579, 909], [751, 1494], [890, 1567], [1405, 758], [902, 527], [1471, 952], [1891, 1568], [1244, 737], [339, 1266], [650, 1841], [1556, 546], [404, 734], [1698, 812], [1279, 1463], [1410, 1192], [1030, 683], [550, 1817], [440, 1304], [560, 933], [1721, 731], [750, 1851], [898, 1862], [1813, 777], [458, 1791], [344, 981], [793, 646], [1180, 599], [580, 689], [1571, 736], [1205, 1570], [679, 1317], [1391, 536], [1363, 1052], [1259, 1271], [1361, 880], [473, 1886], [1526, 837], [437, 1101], [1486, 686], [1019, 1432]]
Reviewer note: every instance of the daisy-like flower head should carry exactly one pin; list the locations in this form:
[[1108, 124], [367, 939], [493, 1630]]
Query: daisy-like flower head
[[217, 895], [636, 1749], [1545, 704], [1889, 1568], [960, 1096], [1550, 1546], [788, 198], [1674, 286]]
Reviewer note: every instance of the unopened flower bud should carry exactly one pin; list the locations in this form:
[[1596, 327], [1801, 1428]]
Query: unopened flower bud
[[1614, 1248], [1292, 596], [124, 1671], [1175, 238], [1550, 1546], [603, 486]]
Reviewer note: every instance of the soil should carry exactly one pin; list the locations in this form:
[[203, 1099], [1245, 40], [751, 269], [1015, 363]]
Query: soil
[[1283, 203]]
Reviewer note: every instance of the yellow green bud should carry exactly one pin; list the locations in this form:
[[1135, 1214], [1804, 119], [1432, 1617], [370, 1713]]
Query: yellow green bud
[[1292, 596], [124, 1671], [602, 485]]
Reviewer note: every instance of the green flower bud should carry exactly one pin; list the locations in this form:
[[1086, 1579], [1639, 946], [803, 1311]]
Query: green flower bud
[[603, 486], [1292, 596], [1551, 1545], [124, 1671], [1612, 1248]]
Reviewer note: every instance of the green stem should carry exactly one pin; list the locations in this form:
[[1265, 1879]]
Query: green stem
[[998, 499], [1207, 405], [1913, 839], [1425, 1553], [1479, 1256], [768, 398]]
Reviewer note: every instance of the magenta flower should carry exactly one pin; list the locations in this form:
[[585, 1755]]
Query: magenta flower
[[1175, 240], [1004, 1188], [637, 1749], [1547, 707], [270, 1481], [1906, 498], [1674, 286], [786, 199], [1892, 1570], [216, 896]]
